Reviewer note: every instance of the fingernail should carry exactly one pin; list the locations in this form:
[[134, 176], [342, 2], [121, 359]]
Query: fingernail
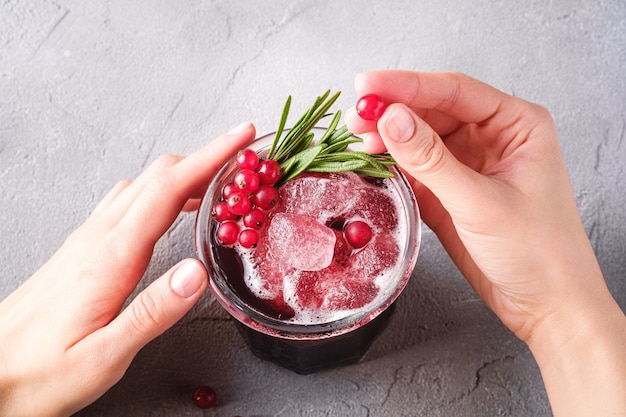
[[187, 279], [400, 124], [239, 128]]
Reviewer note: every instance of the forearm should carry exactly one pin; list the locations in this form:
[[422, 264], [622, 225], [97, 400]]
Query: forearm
[[582, 357]]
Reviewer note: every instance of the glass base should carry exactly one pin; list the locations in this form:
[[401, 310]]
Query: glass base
[[309, 356]]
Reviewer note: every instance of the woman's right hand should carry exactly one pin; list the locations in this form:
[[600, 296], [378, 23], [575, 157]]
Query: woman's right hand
[[492, 184]]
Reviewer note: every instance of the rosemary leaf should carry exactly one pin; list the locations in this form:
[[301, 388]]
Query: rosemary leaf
[[293, 134], [340, 146], [375, 173], [298, 151], [331, 128], [299, 163], [384, 159], [369, 164], [367, 157], [340, 134], [296, 145], [281, 126], [320, 112], [321, 105], [337, 166]]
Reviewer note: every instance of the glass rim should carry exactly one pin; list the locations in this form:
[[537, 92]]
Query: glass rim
[[263, 323]]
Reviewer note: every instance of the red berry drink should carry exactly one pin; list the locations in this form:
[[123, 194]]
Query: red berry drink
[[331, 253]]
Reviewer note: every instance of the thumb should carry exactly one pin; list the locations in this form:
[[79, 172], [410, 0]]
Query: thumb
[[159, 306], [420, 152]]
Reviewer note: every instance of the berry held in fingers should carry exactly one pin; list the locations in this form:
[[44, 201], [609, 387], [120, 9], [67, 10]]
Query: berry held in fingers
[[370, 107]]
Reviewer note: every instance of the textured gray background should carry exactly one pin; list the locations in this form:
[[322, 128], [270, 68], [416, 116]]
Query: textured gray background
[[92, 91]]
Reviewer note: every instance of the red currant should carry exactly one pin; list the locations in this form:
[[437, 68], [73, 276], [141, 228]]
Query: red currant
[[228, 190], [254, 218], [265, 197], [247, 159], [370, 107], [248, 238], [357, 233], [269, 172], [238, 203], [228, 232], [247, 181], [222, 213], [204, 397]]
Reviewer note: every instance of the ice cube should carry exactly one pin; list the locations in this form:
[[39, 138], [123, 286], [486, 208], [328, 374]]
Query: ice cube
[[380, 254], [303, 254], [327, 197], [300, 241], [377, 208], [334, 288], [339, 195], [265, 278], [349, 282]]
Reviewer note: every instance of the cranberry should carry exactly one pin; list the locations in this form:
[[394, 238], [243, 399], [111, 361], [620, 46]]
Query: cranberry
[[269, 172], [370, 107], [254, 218], [248, 238], [204, 397], [247, 181], [266, 197], [238, 203], [228, 233], [247, 159], [222, 212], [358, 233], [228, 190]]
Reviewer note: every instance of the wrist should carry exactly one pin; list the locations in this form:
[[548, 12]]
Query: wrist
[[581, 352]]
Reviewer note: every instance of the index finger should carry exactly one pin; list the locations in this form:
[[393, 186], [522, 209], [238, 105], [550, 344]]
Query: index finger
[[163, 197], [455, 95]]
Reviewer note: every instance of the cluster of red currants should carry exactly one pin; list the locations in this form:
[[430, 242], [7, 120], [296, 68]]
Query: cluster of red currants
[[241, 211]]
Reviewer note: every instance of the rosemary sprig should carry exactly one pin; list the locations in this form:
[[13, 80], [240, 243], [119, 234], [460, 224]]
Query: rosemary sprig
[[298, 151]]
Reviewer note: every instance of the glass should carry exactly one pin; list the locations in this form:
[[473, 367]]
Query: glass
[[303, 348]]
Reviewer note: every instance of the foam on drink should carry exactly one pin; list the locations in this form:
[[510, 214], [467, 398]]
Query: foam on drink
[[315, 207]]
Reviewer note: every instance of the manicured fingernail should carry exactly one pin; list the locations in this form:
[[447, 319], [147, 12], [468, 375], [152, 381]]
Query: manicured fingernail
[[400, 124], [239, 128], [187, 279]]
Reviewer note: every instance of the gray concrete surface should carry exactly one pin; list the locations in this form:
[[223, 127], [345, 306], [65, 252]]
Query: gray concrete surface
[[93, 91]]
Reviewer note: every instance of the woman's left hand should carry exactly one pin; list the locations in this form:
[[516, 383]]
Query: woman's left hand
[[62, 335]]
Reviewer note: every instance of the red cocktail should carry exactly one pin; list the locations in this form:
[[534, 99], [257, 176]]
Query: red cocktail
[[310, 295]]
